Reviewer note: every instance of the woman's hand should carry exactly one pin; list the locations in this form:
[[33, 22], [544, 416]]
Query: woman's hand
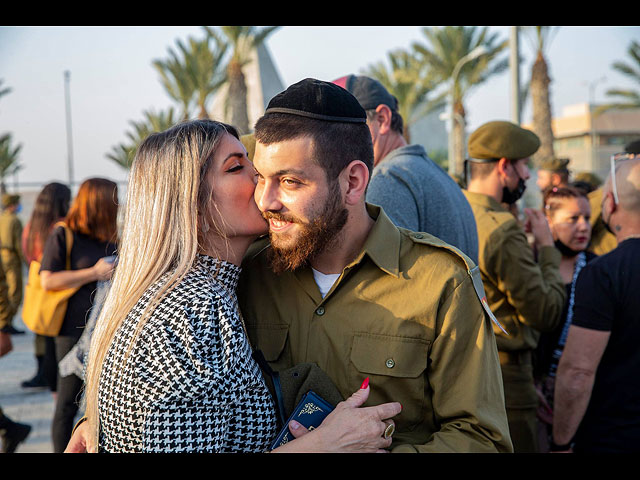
[[349, 428], [103, 270], [80, 441]]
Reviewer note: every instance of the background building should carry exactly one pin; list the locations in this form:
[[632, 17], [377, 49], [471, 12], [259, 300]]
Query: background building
[[589, 138]]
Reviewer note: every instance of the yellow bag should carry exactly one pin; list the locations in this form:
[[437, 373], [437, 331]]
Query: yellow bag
[[43, 310]]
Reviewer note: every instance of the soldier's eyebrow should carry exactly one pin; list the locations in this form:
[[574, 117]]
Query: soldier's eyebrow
[[289, 171]]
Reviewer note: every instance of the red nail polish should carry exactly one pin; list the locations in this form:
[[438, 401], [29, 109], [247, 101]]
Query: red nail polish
[[365, 384]]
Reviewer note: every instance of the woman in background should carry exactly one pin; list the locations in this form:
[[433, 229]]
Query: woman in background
[[568, 213], [51, 206], [92, 218]]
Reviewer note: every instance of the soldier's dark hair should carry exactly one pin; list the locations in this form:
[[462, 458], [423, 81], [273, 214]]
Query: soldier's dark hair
[[335, 144]]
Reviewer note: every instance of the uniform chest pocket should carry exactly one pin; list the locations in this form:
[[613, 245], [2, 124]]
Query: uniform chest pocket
[[396, 367], [271, 339], [389, 355]]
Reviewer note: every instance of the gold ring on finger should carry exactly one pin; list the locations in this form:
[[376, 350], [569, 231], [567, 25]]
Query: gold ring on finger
[[389, 431]]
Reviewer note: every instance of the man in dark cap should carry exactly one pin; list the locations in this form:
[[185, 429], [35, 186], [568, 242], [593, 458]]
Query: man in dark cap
[[553, 172], [411, 188], [339, 285], [526, 296]]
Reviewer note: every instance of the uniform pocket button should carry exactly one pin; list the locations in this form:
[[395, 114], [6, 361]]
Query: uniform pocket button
[[390, 363]]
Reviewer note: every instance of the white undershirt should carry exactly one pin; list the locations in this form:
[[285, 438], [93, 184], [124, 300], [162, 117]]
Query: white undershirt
[[324, 281]]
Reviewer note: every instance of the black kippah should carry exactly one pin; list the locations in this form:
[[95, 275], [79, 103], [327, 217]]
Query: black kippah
[[320, 100]]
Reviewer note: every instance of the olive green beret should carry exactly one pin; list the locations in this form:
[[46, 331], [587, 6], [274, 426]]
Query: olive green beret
[[554, 164], [501, 139], [588, 177], [249, 142], [9, 200]]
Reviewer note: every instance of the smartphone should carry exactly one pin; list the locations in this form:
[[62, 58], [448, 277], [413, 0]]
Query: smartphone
[[110, 259]]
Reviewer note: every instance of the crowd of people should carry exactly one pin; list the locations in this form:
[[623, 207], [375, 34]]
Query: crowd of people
[[441, 318]]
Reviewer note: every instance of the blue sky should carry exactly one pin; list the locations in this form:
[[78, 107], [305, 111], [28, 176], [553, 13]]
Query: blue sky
[[113, 82]]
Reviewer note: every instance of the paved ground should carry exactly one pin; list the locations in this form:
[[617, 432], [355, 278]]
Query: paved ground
[[31, 406]]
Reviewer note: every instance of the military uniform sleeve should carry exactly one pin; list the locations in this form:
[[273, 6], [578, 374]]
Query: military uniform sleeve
[[394, 195], [464, 375], [16, 233], [5, 309], [535, 290]]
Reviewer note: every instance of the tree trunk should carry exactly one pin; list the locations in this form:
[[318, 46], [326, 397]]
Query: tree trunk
[[541, 108], [237, 99], [203, 113], [459, 146]]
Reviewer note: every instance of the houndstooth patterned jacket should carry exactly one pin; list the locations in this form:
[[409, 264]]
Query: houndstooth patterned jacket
[[190, 383]]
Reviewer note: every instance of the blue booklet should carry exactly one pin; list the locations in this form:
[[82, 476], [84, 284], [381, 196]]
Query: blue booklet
[[310, 412]]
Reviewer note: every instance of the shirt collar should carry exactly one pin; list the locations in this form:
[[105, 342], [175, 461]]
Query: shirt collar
[[485, 201], [411, 149], [383, 243]]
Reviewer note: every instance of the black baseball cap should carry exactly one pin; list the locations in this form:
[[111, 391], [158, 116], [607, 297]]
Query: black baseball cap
[[369, 91]]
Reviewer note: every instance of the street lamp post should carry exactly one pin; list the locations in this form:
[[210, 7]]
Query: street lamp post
[[67, 79], [514, 64], [475, 53]]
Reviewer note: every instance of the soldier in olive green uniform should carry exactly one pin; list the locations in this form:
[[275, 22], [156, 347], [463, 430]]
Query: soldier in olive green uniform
[[526, 296], [553, 172], [401, 308], [405, 314], [11, 250]]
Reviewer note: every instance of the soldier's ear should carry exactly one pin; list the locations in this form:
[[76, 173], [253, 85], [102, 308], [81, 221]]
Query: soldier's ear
[[353, 181], [503, 167]]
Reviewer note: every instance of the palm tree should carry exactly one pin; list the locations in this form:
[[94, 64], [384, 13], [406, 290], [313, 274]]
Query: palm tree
[[410, 84], [204, 65], [627, 98], [193, 73], [8, 154], [123, 153], [8, 159], [446, 47], [539, 90], [176, 81], [243, 41]]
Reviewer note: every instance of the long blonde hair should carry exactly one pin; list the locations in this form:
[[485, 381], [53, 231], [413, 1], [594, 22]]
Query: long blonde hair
[[168, 205]]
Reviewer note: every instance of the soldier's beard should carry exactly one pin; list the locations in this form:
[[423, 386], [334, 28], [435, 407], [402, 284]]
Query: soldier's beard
[[312, 238]]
